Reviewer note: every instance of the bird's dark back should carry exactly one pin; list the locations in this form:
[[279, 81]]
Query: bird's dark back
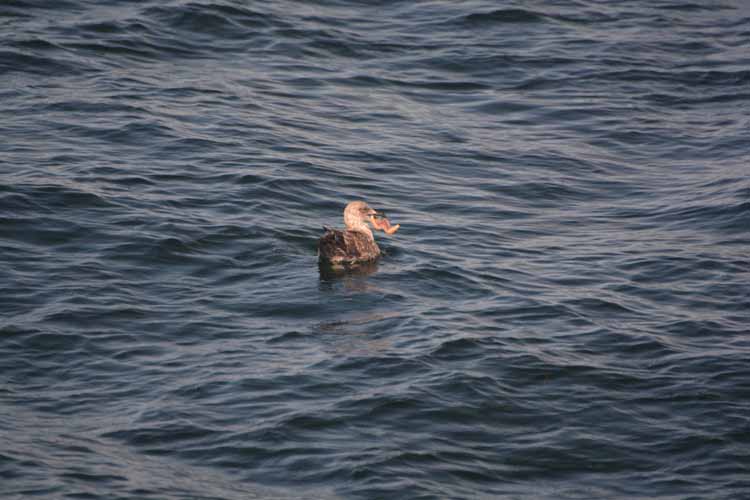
[[346, 246]]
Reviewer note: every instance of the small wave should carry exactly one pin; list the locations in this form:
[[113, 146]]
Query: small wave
[[693, 78], [52, 198], [19, 62], [214, 19], [598, 306], [502, 16], [162, 435], [731, 218], [692, 7], [544, 193]]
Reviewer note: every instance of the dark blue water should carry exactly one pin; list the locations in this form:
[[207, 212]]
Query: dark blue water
[[565, 312]]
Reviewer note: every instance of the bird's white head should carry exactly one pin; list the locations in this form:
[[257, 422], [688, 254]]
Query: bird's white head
[[356, 216]]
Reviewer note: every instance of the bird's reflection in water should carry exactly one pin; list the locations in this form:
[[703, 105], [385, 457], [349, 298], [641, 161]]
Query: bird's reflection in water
[[355, 327], [355, 337], [353, 276]]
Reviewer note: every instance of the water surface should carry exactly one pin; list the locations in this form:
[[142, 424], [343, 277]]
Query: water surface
[[563, 314]]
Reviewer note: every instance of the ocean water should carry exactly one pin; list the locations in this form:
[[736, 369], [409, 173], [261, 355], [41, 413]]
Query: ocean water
[[565, 312]]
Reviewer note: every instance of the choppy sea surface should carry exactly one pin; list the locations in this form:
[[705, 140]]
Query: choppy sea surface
[[565, 312]]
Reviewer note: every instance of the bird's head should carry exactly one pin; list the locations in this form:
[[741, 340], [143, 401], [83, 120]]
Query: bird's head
[[358, 214]]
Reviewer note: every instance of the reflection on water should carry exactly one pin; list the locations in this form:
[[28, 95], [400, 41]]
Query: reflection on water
[[355, 336], [356, 324], [351, 274]]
